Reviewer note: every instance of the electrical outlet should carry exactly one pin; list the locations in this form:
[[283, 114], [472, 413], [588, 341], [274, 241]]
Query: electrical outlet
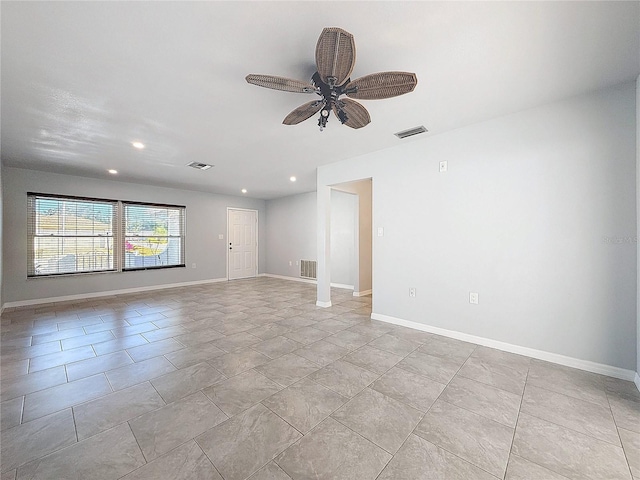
[[297, 262], [474, 298], [220, 236], [412, 292], [193, 265], [444, 165], [380, 231], [290, 263]]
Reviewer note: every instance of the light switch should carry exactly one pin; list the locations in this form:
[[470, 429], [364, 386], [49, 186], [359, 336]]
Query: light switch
[[380, 231], [221, 237]]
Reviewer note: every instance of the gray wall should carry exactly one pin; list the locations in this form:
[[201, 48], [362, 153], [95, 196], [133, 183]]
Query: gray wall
[[343, 237], [638, 227], [533, 215], [291, 235], [1, 240], [206, 219]]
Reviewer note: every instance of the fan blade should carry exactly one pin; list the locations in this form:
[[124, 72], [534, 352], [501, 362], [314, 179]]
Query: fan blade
[[357, 115], [280, 83], [335, 55], [381, 85], [303, 112]]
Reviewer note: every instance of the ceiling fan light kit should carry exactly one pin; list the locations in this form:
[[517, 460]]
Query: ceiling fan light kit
[[335, 58]]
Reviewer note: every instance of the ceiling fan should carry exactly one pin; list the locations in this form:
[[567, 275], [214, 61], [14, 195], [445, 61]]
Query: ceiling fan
[[335, 58]]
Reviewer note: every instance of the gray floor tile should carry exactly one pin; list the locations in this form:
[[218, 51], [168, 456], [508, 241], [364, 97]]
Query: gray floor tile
[[322, 352], [9, 475], [440, 369], [344, 378], [304, 404], [119, 344], [130, 330], [33, 382], [373, 359], [14, 369], [51, 360], [44, 402], [229, 327], [495, 374], [108, 411], [276, 347], [124, 377], [150, 350], [192, 355], [57, 335], [412, 389], [241, 392], [422, 460], [394, 344], [186, 381], [333, 325], [493, 403], [106, 456], [82, 340], [626, 413], [472, 437], [631, 444], [333, 452], [411, 334], [307, 335], [568, 381], [493, 355], [15, 354], [236, 341], [288, 369], [35, 439], [380, 419], [271, 471], [239, 361], [271, 330], [11, 413], [567, 452], [164, 333], [445, 347], [197, 338], [579, 415], [187, 462], [522, 469], [162, 430], [94, 365], [245, 443], [348, 339]]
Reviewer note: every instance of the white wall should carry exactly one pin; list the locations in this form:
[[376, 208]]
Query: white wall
[[529, 215], [343, 238], [206, 219], [291, 233]]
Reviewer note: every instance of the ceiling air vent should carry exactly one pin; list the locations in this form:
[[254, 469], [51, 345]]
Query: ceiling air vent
[[199, 166], [410, 132]]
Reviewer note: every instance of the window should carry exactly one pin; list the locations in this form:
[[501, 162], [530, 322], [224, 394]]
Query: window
[[153, 236], [69, 235]]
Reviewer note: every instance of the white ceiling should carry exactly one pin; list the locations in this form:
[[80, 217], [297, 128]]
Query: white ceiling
[[82, 80]]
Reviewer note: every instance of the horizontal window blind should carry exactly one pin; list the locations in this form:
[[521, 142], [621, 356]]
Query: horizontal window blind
[[69, 235], [154, 236]]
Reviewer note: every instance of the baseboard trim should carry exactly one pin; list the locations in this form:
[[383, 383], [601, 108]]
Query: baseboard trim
[[323, 304], [284, 277], [586, 365], [637, 381], [109, 293], [363, 293], [305, 280]]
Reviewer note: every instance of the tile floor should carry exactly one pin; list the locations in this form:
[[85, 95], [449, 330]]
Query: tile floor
[[249, 379]]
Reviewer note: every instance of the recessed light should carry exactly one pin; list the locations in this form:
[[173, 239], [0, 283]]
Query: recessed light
[[112, 171], [138, 145], [293, 179], [244, 190]]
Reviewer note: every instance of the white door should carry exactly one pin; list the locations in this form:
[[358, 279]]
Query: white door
[[243, 243]]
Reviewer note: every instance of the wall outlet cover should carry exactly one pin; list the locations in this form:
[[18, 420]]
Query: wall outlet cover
[[474, 298]]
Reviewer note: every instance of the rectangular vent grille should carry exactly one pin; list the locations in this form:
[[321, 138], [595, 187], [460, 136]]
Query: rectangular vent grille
[[308, 269], [199, 166], [411, 132]]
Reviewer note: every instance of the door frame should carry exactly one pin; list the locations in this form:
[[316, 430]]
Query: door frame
[[226, 244]]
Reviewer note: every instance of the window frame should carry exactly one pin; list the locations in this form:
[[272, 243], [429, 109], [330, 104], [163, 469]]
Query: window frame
[[118, 234]]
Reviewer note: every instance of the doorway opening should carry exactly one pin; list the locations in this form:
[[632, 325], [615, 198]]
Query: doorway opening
[[242, 244]]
